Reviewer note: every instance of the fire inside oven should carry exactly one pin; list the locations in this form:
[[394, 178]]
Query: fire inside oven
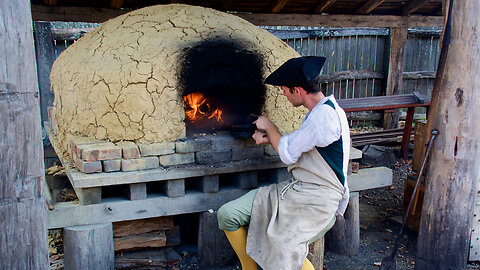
[[222, 88]]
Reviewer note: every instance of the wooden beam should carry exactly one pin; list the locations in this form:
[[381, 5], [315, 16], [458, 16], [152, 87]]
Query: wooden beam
[[323, 5], [82, 14], [74, 14], [228, 5], [369, 6], [278, 5], [351, 75], [398, 42], [50, 3], [414, 5], [70, 214], [452, 170], [23, 241], [342, 20], [116, 4]]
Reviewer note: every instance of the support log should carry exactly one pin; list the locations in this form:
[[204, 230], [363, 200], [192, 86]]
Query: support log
[[89, 247], [23, 240], [395, 70], [453, 171], [214, 250], [344, 237]]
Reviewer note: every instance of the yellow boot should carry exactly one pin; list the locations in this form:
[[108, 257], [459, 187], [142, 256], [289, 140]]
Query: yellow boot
[[307, 265], [238, 240]]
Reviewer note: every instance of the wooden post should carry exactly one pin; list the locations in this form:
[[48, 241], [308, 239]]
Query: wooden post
[[344, 237], [23, 237], [45, 56], [315, 253], [89, 247], [395, 70], [214, 250], [453, 171]]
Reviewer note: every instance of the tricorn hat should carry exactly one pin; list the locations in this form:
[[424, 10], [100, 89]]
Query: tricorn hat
[[300, 71]]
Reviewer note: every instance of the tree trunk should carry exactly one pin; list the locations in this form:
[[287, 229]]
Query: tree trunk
[[453, 172], [23, 240]]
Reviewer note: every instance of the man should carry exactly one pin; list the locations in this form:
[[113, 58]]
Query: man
[[283, 218]]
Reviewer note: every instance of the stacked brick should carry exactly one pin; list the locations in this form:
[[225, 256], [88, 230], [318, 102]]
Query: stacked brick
[[93, 156]]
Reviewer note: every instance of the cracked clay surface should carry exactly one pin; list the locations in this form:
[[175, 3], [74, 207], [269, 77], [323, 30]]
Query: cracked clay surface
[[120, 81]]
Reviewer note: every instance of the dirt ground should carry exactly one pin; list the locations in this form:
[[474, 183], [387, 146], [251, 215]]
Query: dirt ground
[[377, 234]]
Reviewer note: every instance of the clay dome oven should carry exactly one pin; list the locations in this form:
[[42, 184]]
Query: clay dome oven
[[130, 79]]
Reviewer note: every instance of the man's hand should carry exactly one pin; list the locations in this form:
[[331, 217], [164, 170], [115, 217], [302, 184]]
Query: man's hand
[[260, 137], [263, 123], [272, 135]]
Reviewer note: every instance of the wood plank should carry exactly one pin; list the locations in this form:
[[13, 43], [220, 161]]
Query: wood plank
[[278, 5], [370, 178], [323, 5], [415, 75], [81, 180], [452, 176], [396, 64], [69, 33], [145, 240], [85, 14], [414, 5], [369, 6], [23, 241], [132, 227], [69, 214]]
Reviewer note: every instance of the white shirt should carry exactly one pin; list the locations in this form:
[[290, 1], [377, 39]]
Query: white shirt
[[321, 127]]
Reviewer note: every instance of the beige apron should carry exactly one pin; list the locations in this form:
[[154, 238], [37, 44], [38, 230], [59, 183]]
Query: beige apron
[[280, 229]]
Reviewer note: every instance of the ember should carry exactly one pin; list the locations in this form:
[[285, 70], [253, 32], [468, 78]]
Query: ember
[[197, 107]]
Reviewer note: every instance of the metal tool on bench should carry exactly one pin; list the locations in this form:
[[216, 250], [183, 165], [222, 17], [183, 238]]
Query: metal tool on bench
[[389, 263]]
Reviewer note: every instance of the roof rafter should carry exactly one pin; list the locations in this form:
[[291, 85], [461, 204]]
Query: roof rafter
[[414, 5], [228, 5], [116, 4], [50, 3], [323, 5], [278, 5], [369, 6]]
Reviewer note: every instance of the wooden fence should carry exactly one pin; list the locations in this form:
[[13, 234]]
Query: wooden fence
[[357, 58]]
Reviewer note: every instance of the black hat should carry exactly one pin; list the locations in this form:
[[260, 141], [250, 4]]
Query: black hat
[[297, 72]]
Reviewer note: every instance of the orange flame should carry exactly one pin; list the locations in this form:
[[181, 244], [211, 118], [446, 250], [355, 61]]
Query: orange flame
[[217, 114], [196, 108]]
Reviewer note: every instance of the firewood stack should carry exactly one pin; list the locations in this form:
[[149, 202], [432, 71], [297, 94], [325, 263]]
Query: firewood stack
[[145, 233]]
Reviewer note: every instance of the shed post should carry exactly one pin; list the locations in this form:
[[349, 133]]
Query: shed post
[[23, 237], [396, 62], [453, 172]]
